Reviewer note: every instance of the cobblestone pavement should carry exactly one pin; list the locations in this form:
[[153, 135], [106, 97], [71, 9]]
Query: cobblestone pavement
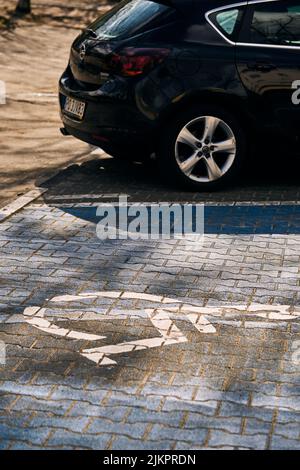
[[226, 374]]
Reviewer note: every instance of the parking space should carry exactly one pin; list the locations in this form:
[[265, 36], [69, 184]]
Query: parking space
[[171, 344]]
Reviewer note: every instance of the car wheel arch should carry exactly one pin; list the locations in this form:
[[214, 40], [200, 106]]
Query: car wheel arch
[[230, 103]]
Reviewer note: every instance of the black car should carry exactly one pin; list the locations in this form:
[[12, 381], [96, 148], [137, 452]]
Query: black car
[[191, 81]]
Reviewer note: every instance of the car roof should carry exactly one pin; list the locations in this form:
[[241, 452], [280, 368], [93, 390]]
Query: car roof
[[202, 4]]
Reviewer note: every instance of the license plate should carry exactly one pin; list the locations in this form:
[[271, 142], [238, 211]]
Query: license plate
[[75, 107]]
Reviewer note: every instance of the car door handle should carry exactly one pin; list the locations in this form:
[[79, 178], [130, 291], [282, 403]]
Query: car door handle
[[261, 66]]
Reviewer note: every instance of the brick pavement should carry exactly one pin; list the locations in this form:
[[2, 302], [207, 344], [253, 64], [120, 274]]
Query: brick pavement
[[235, 388]]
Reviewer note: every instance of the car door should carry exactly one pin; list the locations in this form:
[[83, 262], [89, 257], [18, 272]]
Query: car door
[[268, 61]]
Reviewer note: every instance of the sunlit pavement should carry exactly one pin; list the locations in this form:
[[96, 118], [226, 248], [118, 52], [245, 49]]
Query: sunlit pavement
[[82, 320]]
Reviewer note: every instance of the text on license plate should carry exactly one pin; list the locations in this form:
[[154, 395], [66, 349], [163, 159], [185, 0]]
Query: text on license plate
[[75, 107]]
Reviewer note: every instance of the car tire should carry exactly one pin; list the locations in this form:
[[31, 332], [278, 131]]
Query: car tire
[[216, 165]]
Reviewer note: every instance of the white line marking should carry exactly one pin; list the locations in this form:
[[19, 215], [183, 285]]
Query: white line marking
[[2, 92], [20, 202], [74, 197], [31, 97], [99, 200]]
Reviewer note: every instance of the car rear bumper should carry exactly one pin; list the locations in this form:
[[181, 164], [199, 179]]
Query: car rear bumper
[[111, 120]]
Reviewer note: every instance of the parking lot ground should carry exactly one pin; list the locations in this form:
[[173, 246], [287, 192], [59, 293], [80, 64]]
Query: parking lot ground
[[150, 344], [32, 148]]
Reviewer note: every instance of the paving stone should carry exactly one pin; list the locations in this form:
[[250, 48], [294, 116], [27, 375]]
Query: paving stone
[[219, 438], [30, 435], [235, 388], [121, 443], [197, 436], [280, 443], [62, 439]]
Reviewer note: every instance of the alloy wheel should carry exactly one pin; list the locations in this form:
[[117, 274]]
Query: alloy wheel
[[205, 149]]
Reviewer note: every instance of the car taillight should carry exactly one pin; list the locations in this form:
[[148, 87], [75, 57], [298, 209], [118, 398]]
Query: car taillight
[[131, 61]]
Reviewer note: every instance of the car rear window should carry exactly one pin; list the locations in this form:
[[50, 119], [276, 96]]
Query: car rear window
[[131, 17]]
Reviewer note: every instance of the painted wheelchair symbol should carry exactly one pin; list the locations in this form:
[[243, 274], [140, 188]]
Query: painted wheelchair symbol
[[162, 318]]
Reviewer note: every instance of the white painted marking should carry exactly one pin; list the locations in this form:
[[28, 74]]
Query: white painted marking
[[33, 311], [38, 321], [201, 323], [140, 296], [87, 295], [74, 197], [31, 96], [20, 202], [2, 92], [81, 197], [169, 333], [161, 319]]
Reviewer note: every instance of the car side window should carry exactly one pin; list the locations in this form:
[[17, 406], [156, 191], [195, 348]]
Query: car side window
[[275, 23], [227, 21]]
